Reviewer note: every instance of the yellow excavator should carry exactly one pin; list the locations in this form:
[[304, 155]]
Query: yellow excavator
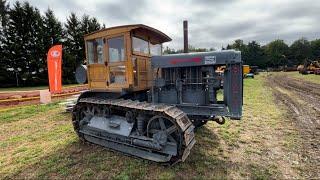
[[309, 67]]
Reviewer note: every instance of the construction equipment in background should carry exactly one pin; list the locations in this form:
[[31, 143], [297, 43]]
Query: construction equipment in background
[[247, 71], [254, 70], [309, 67], [146, 104]]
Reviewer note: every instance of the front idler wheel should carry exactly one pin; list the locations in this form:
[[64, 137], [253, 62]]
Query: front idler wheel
[[163, 130]]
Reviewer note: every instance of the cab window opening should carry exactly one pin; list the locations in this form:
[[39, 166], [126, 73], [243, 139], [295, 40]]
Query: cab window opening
[[142, 46], [116, 49], [95, 53], [155, 49]]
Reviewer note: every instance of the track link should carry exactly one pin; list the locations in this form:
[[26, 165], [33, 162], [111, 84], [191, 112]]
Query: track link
[[185, 126]]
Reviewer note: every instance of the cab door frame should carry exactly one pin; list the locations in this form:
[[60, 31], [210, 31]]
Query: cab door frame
[[126, 62], [141, 65], [96, 71]]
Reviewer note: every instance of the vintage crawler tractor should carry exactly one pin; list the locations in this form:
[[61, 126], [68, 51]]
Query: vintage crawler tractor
[[146, 104]]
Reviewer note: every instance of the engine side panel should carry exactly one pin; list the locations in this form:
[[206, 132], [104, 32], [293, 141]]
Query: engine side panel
[[194, 80]]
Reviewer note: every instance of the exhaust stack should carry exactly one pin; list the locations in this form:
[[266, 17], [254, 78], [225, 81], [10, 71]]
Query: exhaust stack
[[185, 37]]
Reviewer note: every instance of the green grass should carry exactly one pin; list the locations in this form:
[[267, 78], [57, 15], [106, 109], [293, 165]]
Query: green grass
[[264, 126], [31, 88], [25, 112], [310, 77], [39, 142]]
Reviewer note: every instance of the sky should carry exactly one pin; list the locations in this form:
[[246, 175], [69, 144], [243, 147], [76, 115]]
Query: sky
[[212, 23]]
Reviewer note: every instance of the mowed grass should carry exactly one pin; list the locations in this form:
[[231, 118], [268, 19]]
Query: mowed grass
[[39, 142], [16, 114], [309, 77]]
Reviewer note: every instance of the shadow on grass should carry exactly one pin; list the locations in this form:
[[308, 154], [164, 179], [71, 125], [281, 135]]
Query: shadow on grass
[[87, 161]]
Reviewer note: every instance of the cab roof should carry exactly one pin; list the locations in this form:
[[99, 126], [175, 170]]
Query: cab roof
[[136, 29]]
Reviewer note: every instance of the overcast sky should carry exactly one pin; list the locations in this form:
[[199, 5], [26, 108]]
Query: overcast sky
[[212, 23]]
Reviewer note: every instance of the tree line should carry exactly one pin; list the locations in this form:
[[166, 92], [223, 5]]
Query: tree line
[[274, 54], [25, 37]]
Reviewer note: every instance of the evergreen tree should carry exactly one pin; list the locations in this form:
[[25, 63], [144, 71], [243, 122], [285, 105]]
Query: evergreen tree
[[35, 46], [4, 8], [84, 24], [53, 29], [23, 47], [87, 25], [14, 42], [73, 55], [277, 52], [26, 36], [53, 34], [75, 47], [94, 25], [255, 55]]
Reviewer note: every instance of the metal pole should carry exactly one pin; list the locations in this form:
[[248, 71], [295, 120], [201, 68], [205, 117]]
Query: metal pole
[[185, 36]]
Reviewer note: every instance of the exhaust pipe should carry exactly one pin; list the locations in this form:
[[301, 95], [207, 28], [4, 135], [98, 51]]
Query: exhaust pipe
[[185, 36]]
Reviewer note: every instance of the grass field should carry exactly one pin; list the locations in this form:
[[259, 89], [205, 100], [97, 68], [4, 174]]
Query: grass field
[[38, 141], [310, 77]]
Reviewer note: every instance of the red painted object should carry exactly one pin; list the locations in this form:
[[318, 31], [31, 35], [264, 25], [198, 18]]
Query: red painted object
[[176, 61], [54, 60]]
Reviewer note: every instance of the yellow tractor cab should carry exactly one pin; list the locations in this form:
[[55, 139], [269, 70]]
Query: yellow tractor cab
[[118, 57]]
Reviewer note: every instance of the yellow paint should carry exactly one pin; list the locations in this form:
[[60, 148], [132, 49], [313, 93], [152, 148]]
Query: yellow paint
[[246, 69], [135, 69]]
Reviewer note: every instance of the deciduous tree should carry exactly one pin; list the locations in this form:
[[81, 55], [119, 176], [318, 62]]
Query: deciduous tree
[[255, 55], [277, 53], [300, 50], [53, 34], [315, 48]]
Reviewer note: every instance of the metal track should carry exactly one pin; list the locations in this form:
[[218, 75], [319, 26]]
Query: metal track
[[186, 129]]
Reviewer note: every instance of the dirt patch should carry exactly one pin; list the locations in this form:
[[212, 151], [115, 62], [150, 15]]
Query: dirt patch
[[21, 97], [303, 104], [36, 93]]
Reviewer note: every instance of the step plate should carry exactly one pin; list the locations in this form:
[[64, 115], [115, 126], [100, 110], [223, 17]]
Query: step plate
[[114, 124]]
